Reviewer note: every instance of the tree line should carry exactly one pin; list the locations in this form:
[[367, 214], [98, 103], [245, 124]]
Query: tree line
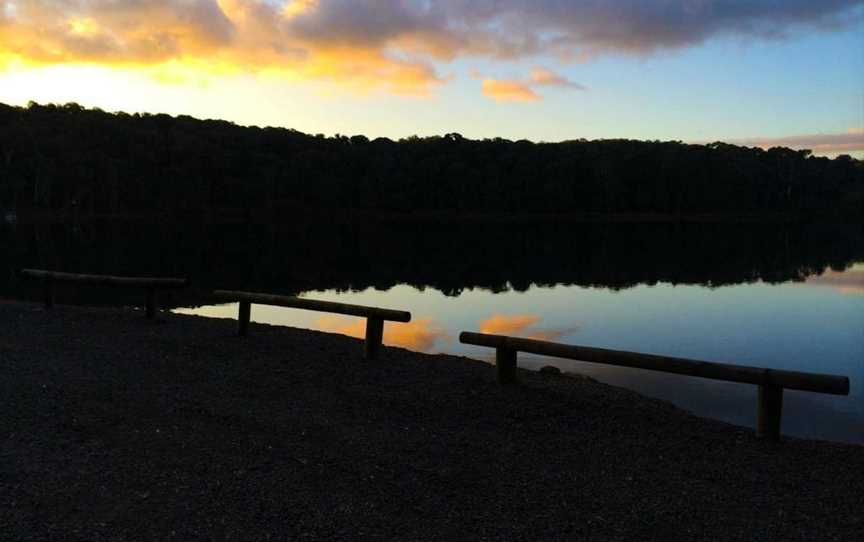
[[67, 160]]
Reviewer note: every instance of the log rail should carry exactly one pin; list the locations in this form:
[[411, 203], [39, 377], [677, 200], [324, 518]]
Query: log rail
[[375, 316], [771, 382], [150, 284]]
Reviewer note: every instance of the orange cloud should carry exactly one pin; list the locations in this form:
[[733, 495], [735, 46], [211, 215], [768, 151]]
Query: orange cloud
[[420, 335], [513, 90], [519, 325], [508, 91], [545, 77], [205, 36]]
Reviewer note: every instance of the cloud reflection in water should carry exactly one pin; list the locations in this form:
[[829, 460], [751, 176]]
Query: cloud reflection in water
[[521, 325], [421, 335]]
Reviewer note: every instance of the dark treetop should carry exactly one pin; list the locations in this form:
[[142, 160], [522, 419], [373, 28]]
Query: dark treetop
[[71, 161]]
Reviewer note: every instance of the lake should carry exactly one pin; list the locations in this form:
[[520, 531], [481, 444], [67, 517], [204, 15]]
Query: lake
[[815, 326], [785, 296]]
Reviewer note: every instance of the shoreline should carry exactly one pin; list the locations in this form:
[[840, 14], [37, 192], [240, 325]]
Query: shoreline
[[116, 428]]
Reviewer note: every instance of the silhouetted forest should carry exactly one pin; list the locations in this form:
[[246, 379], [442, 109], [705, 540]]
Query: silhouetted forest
[[66, 161]]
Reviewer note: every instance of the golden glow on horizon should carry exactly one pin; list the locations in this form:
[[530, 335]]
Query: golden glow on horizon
[[87, 84], [169, 89], [175, 41]]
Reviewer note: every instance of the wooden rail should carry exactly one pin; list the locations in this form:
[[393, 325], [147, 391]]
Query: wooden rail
[[771, 382], [150, 284], [375, 316]]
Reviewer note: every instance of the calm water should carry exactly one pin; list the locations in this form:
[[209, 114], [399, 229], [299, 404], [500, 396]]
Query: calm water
[[784, 295], [817, 326]]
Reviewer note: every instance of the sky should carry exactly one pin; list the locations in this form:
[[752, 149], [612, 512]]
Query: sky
[[753, 72]]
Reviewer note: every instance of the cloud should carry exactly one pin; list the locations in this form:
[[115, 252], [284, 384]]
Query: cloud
[[143, 31], [392, 45], [502, 90], [838, 143], [514, 90], [543, 77], [511, 28], [591, 27], [228, 35], [520, 325], [421, 334]]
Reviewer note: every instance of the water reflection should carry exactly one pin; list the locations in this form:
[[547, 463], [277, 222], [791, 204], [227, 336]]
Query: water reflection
[[807, 326], [850, 281], [291, 258], [420, 335], [521, 325], [774, 295]]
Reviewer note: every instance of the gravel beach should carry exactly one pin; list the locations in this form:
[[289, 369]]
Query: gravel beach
[[113, 427]]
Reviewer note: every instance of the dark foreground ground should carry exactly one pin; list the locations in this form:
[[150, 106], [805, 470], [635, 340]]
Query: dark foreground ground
[[115, 428]]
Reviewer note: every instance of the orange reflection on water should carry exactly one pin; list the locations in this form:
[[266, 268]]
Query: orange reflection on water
[[850, 282], [421, 334], [519, 325]]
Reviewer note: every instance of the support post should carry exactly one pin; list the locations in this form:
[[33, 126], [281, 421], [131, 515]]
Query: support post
[[49, 293], [374, 337], [769, 412], [151, 303], [505, 360], [243, 316]]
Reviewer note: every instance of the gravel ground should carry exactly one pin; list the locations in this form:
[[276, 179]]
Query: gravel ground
[[116, 428]]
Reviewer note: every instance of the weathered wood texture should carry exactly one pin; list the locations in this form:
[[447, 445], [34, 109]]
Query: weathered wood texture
[[315, 305], [822, 383]]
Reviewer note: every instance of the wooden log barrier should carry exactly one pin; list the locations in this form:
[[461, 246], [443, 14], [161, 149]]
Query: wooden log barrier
[[151, 285], [375, 316], [374, 337], [243, 317], [505, 364], [771, 382], [769, 411]]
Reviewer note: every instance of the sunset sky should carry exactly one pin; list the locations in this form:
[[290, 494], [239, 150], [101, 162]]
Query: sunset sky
[[756, 72]]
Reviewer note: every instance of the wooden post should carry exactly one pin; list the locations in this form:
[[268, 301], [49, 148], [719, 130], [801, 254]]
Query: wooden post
[[769, 412], [151, 303], [505, 360], [49, 293], [374, 337], [243, 317]]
